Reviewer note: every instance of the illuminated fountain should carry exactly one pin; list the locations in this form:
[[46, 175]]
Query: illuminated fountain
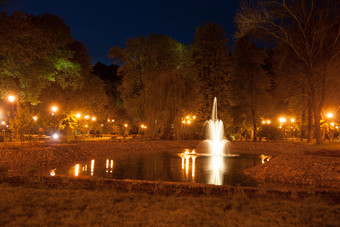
[[214, 146], [215, 133]]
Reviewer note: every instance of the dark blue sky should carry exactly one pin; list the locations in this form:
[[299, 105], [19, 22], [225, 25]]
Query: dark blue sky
[[100, 24]]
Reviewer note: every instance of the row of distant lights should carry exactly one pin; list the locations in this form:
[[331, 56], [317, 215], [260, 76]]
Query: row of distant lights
[[292, 120], [281, 120], [188, 120]]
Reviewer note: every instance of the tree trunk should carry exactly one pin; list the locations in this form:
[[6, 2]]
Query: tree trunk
[[253, 111], [317, 131], [302, 125], [310, 120], [318, 109]]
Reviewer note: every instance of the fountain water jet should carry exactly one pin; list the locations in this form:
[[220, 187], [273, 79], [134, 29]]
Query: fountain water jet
[[215, 133]]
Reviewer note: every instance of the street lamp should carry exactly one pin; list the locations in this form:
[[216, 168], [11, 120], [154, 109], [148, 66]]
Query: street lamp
[[330, 115], [282, 120], [54, 109], [11, 99]]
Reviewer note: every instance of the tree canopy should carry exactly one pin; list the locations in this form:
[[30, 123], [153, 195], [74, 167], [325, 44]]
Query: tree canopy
[[34, 52]]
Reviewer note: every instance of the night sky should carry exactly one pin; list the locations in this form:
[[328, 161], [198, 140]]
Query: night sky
[[103, 23]]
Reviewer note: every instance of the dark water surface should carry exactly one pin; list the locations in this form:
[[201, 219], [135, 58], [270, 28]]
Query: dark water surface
[[168, 166]]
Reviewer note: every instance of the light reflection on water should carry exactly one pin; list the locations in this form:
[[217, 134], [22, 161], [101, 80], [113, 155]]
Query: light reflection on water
[[216, 167], [216, 170]]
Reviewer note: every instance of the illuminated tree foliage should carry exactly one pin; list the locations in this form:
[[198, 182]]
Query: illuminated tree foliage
[[34, 53], [211, 61], [311, 29], [156, 84], [88, 97]]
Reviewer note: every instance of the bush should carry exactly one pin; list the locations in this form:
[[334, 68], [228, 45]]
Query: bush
[[270, 132]]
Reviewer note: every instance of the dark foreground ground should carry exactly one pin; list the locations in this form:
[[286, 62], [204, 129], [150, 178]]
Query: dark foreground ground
[[37, 205]]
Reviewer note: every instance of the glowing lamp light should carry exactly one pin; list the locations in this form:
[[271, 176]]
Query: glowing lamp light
[[11, 98], [263, 122], [189, 122], [282, 120], [3, 123], [35, 118], [78, 115], [76, 170], [86, 126], [269, 121], [126, 125], [332, 124], [86, 117], [55, 136], [330, 115], [52, 172], [292, 120], [187, 117], [194, 117], [183, 122], [108, 120], [93, 118], [54, 109], [337, 127]]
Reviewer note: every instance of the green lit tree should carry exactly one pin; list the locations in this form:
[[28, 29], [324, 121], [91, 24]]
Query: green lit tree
[[34, 53]]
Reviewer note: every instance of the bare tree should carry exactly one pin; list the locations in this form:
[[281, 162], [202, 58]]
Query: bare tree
[[311, 29]]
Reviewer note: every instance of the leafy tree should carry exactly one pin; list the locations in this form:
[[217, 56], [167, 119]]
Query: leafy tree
[[155, 83], [88, 97], [23, 124], [250, 82], [311, 30], [210, 61], [109, 75], [33, 54]]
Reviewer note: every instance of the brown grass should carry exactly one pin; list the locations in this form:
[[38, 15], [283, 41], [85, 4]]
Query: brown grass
[[101, 207]]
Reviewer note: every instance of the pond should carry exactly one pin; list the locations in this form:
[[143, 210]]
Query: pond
[[168, 166]]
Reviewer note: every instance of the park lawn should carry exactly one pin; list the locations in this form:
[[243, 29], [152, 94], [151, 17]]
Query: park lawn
[[39, 205]]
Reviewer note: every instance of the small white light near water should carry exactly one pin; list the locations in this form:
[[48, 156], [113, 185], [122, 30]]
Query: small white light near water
[[55, 136], [52, 172]]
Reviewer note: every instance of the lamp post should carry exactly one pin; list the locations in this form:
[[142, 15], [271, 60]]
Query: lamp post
[[78, 116], [54, 110], [187, 120], [282, 120], [11, 99], [329, 116], [292, 120]]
